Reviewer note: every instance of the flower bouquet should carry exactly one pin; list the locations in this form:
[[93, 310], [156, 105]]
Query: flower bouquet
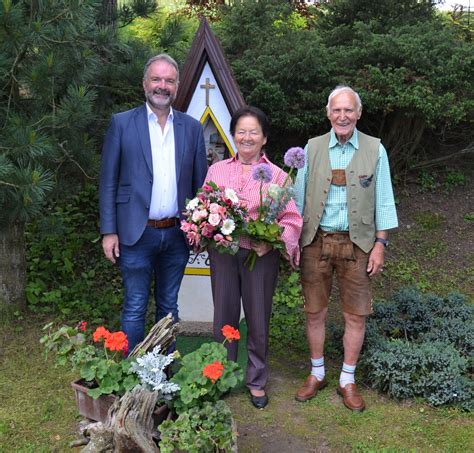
[[214, 218], [265, 227]]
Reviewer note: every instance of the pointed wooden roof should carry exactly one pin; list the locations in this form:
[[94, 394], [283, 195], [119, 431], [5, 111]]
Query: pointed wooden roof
[[207, 48]]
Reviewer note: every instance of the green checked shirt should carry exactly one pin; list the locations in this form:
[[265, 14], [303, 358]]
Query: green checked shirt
[[335, 215]]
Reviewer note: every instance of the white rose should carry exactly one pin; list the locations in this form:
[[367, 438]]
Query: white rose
[[192, 204], [227, 227], [231, 195]]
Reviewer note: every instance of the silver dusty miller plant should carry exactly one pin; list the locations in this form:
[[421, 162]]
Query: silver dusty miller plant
[[150, 369]]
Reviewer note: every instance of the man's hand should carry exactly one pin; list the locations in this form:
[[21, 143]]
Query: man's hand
[[376, 259], [261, 248], [110, 244]]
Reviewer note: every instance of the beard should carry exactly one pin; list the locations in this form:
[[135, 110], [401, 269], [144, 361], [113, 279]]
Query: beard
[[160, 103]]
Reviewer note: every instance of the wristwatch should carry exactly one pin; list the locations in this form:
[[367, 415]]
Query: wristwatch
[[382, 241]]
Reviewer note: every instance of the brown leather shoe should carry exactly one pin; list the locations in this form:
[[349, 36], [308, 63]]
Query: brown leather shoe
[[310, 388], [351, 397]]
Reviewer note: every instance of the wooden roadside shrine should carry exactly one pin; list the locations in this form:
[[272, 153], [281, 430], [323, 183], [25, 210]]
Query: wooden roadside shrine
[[209, 93]]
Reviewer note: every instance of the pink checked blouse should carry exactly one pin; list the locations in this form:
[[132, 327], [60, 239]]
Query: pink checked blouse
[[228, 173]]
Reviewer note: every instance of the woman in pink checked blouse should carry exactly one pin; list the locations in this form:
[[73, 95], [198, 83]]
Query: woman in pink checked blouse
[[231, 280]]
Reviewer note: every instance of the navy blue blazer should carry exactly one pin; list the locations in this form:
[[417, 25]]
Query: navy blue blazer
[[126, 176]]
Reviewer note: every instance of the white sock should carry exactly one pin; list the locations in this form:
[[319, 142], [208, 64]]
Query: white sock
[[347, 375], [317, 368]]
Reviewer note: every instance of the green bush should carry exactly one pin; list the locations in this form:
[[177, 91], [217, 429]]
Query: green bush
[[433, 370], [287, 315], [200, 429], [67, 273], [419, 345]]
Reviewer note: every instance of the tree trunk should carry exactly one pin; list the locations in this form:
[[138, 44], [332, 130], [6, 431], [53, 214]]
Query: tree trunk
[[12, 267]]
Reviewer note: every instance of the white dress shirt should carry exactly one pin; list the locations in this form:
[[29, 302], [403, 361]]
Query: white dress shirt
[[164, 195]]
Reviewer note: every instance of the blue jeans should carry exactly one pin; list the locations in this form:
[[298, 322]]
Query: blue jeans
[[164, 253]]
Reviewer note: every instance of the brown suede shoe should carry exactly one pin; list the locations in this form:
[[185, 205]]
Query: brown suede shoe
[[310, 388], [351, 397]]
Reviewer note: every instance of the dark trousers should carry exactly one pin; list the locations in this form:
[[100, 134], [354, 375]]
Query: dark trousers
[[162, 254], [231, 281]]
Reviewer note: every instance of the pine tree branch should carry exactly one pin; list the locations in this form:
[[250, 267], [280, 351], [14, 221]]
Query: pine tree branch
[[54, 41], [53, 19], [68, 155], [433, 162], [9, 184]]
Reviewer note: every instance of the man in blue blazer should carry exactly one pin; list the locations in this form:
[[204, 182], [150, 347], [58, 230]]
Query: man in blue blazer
[[153, 158]]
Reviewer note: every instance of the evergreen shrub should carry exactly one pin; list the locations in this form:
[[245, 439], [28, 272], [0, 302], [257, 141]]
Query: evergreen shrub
[[67, 273], [418, 346]]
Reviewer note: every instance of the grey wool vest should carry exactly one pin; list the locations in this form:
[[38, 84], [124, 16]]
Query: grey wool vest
[[360, 180]]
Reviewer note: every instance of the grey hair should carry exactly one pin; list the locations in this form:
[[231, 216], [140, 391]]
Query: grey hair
[[341, 89], [162, 57]]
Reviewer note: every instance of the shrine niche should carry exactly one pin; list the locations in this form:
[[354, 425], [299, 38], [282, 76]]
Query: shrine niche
[[208, 92]]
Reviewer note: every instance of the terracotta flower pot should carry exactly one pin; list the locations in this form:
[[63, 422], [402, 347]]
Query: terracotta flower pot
[[97, 409]]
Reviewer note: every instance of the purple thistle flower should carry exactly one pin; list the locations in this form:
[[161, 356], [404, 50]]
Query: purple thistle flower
[[262, 172], [295, 158]]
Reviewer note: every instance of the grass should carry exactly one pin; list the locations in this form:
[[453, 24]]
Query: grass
[[421, 256], [37, 408], [326, 425], [38, 413]]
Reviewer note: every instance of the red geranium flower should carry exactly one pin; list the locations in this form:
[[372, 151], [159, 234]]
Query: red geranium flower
[[100, 332], [230, 333], [117, 341], [213, 371], [82, 326]]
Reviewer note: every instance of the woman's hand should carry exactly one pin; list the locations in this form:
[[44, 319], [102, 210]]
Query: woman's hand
[[294, 258], [260, 248]]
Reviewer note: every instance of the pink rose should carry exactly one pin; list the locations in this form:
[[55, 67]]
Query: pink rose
[[214, 208], [196, 217], [214, 219], [218, 237]]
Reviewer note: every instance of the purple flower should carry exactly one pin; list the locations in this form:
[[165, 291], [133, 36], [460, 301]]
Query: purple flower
[[262, 172], [295, 158]]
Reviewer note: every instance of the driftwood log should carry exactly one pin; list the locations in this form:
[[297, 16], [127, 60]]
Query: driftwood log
[[129, 427], [131, 422], [163, 333]]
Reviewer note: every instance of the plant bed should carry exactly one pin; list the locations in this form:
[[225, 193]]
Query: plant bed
[[97, 409]]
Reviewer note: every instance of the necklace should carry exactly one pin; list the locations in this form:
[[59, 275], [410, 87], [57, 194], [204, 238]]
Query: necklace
[[246, 163]]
